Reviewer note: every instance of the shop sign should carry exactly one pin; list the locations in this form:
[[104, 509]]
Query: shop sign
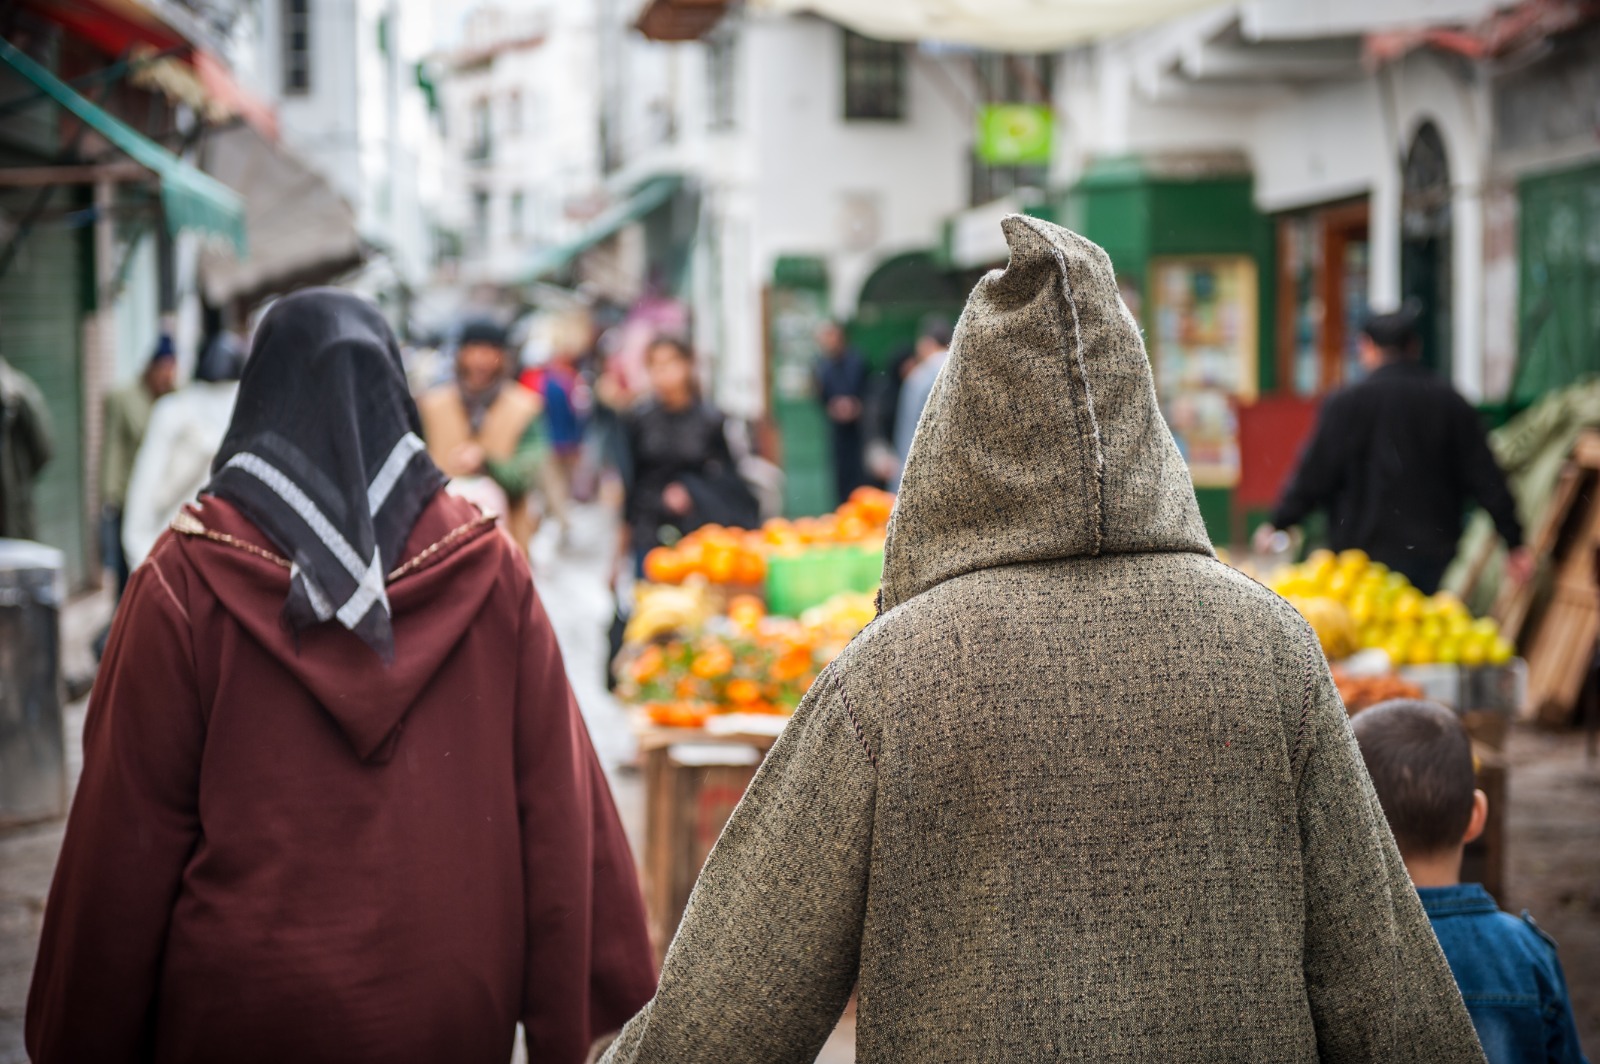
[[1015, 134]]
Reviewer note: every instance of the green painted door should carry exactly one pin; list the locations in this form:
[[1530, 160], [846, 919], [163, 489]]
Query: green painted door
[[1559, 282], [795, 315]]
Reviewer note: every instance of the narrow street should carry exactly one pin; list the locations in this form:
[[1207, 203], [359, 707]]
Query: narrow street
[[1553, 819], [573, 587]]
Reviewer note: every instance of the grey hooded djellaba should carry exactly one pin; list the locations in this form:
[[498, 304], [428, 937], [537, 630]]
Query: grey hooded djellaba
[[1081, 792]]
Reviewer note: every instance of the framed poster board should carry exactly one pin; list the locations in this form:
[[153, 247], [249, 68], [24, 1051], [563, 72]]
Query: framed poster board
[[1202, 325]]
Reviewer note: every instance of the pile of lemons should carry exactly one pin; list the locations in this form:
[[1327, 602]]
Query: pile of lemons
[[1355, 603]]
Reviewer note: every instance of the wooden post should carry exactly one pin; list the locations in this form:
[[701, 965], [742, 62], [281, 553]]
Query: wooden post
[[99, 364]]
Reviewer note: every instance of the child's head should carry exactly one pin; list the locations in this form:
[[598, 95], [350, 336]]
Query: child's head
[[1420, 760]]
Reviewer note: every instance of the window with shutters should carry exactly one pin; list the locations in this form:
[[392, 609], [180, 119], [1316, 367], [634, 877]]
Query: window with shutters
[[874, 79], [296, 47], [721, 80]]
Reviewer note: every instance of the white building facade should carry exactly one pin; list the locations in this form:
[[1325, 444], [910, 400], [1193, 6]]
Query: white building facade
[[343, 78], [522, 165]]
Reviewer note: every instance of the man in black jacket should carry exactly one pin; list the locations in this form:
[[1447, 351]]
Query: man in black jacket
[[1395, 459]]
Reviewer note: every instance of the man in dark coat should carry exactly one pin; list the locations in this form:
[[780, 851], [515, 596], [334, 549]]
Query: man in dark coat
[[842, 386], [1395, 460]]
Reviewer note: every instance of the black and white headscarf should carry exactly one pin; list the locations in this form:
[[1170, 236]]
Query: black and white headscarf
[[325, 456]]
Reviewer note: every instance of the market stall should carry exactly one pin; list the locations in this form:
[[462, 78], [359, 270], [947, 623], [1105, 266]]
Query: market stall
[[727, 634]]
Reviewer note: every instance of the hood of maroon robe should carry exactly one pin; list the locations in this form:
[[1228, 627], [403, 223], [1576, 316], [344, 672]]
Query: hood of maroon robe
[[452, 568]]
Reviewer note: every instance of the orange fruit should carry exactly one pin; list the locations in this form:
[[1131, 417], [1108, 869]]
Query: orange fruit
[[752, 569], [714, 661], [747, 608], [852, 530], [663, 565]]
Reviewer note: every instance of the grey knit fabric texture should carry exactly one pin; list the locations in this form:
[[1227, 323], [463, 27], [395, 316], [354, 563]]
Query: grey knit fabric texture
[[1082, 792]]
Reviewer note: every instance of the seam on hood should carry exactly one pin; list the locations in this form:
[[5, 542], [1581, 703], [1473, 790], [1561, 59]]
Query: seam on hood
[[1081, 372], [188, 523]]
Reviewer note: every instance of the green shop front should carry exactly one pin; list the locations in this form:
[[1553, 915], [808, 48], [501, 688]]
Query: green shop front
[[1194, 261]]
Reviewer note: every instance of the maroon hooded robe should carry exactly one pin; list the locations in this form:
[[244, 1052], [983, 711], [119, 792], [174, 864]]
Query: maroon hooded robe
[[284, 852]]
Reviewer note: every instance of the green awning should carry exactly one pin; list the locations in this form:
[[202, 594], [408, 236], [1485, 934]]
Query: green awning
[[644, 199], [189, 198]]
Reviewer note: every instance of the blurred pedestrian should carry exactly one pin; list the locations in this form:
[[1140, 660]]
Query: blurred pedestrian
[[127, 416], [329, 814], [882, 408], [842, 387], [174, 460], [25, 449], [683, 473], [932, 350], [485, 425], [1081, 792], [1394, 461], [565, 396]]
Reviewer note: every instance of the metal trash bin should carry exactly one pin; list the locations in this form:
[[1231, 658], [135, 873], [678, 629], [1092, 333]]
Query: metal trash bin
[[33, 771]]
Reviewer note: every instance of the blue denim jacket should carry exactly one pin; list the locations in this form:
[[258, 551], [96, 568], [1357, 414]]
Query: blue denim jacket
[[1509, 977]]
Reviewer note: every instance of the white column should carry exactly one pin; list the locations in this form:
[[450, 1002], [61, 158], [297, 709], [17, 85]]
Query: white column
[[1466, 358], [1383, 234]]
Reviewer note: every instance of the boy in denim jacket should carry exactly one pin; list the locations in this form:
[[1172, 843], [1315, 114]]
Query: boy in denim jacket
[[1420, 760]]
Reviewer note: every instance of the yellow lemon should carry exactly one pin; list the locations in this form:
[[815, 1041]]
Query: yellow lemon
[[1501, 651], [1408, 605], [1354, 559], [1363, 608], [1420, 652], [1473, 652], [1398, 648]]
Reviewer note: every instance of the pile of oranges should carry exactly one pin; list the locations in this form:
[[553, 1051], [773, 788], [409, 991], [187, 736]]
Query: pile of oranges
[[751, 664], [739, 557]]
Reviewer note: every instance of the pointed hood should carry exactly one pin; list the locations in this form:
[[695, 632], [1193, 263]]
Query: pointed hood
[[1042, 439]]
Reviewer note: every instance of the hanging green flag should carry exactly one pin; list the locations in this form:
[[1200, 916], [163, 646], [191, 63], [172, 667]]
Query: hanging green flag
[[1015, 134]]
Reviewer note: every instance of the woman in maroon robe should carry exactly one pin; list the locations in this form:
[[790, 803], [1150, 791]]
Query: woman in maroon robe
[[337, 802]]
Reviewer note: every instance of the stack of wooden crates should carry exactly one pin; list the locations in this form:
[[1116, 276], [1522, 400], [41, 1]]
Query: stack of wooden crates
[[1557, 632]]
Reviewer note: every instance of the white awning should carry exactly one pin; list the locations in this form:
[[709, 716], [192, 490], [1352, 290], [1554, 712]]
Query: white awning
[[300, 230], [1000, 25]]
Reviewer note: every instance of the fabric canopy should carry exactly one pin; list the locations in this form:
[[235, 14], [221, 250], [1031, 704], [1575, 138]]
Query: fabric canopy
[[189, 199], [1001, 25], [300, 230], [646, 198]]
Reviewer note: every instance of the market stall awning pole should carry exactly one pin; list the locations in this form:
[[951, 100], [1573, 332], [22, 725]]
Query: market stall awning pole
[[189, 198], [1001, 25]]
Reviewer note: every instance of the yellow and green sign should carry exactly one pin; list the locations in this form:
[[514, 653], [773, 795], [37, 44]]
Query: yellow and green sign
[[1015, 134]]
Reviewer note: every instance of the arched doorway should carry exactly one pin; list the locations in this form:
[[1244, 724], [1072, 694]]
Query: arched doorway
[[1426, 273]]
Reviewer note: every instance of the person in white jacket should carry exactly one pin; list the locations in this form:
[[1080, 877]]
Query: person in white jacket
[[174, 463]]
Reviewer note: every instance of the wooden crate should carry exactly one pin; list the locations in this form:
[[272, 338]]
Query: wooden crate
[[1559, 639], [692, 781]]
